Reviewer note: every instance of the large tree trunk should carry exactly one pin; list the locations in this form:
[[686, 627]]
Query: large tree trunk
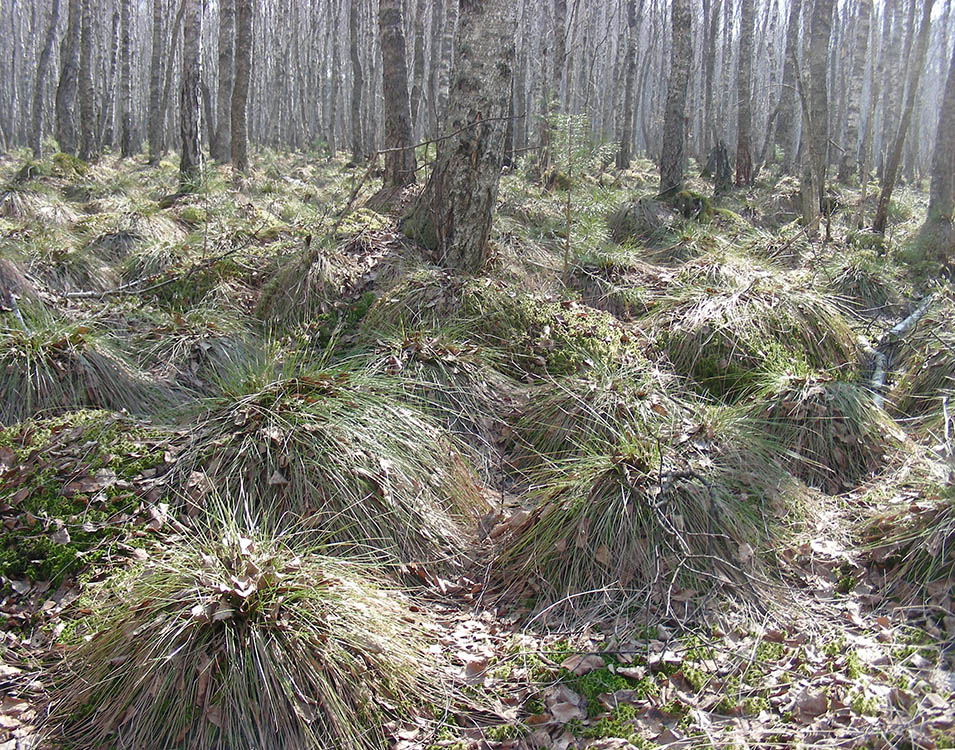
[[787, 135], [156, 115], [42, 68], [937, 238], [87, 110], [895, 156], [240, 90], [190, 160], [69, 80], [816, 115], [850, 151], [452, 216], [672, 155], [127, 147], [626, 120], [399, 149], [222, 141], [744, 78], [358, 84]]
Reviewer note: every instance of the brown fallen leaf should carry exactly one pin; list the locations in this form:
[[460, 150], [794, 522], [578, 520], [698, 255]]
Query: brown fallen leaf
[[581, 664]]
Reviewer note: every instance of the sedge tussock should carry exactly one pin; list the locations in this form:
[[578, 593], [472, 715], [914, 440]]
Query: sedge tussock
[[231, 638], [308, 285], [344, 452]]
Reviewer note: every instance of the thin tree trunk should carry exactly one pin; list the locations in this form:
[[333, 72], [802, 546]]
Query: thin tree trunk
[[850, 153], [895, 156], [937, 237], [156, 115], [744, 78], [816, 117], [788, 138], [190, 160], [452, 216], [42, 68], [673, 156], [170, 67], [69, 80], [417, 88], [624, 154], [240, 90], [87, 111], [358, 84], [222, 141], [127, 147], [107, 128]]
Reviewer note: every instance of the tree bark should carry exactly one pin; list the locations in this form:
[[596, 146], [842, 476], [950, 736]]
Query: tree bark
[[744, 78], [87, 110], [850, 153], [672, 156], [127, 147], [452, 216], [816, 116], [358, 84], [788, 133], [156, 115], [895, 156], [240, 90], [190, 159], [400, 163], [937, 237], [69, 80], [624, 154], [417, 88], [222, 141], [42, 68]]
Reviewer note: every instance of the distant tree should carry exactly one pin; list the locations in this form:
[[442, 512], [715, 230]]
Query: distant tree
[[744, 106], [42, 68], [937, 238], [69, 79], [624, 154], [222, 141], [240, 88], [400, 163], [127, 146], [916, 64], [816, 114], [673, 156], [787, 134], [190, 160], [452, 216]]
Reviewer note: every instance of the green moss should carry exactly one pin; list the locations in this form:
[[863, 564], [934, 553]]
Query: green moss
[[193, 216], [68, 166]]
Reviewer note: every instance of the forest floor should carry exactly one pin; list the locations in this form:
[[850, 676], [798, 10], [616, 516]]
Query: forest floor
[[634, 487]]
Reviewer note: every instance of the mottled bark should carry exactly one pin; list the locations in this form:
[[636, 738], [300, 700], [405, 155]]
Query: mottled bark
[[127, 147], [69, 80], [107, 125], [447, 55], [452, 216], [42, 69], [190, 158], [240, 90], [222, 140], [816, 119], [417, 88], [850, 153], [673, 156], [87, 147], [916, 64], [399, 148], [156, 116], [744, 85]]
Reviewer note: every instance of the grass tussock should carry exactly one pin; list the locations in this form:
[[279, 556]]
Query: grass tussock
[[232, 638], [341, 451], [834, 432], [867, 283], [671, 505], [57, 365], [726, 326], [622, 284], [308, 285]]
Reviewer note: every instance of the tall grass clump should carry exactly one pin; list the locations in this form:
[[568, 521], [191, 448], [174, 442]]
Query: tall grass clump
[[232, 637], [302, 287], [341, 451], [725, 326]]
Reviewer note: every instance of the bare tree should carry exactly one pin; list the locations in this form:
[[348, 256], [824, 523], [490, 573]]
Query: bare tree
[[87, 111], [222, 141], [816, 114], [156, 116], [399, 149], [626, 120], [744, 78], [452, 216], [937, 237], [42, 68], [673, 157], [358, 84], [127, 148], [69, 79], [240, 90], [788, 132], [850, 152], [190, 160]]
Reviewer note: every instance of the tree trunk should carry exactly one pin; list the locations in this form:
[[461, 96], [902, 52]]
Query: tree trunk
[[816, 117], [87, 111], [69, 80], [788, 132], [222, 141], [240, 90], [452, 216], [190, 161], [937, 238], [850, 153], [624, 154], [358, 84], [399, 148], [709, 70], [895, 156], [107, 118], [170, 67], [744, 78], [156, 115], [417, 89], [127, 147], [42, 68], [672, 156]]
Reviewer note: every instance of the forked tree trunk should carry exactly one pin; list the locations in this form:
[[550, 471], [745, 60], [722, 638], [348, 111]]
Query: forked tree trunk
[[222, 141], [190, 160], [891, 173], [452, 216], [42, 68], [240, 89], [127, 147], [69, 78], [672, 155], [744, 78], [399, 149]]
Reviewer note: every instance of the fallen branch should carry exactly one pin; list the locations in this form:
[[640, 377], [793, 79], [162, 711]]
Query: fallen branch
[[881, 359]]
